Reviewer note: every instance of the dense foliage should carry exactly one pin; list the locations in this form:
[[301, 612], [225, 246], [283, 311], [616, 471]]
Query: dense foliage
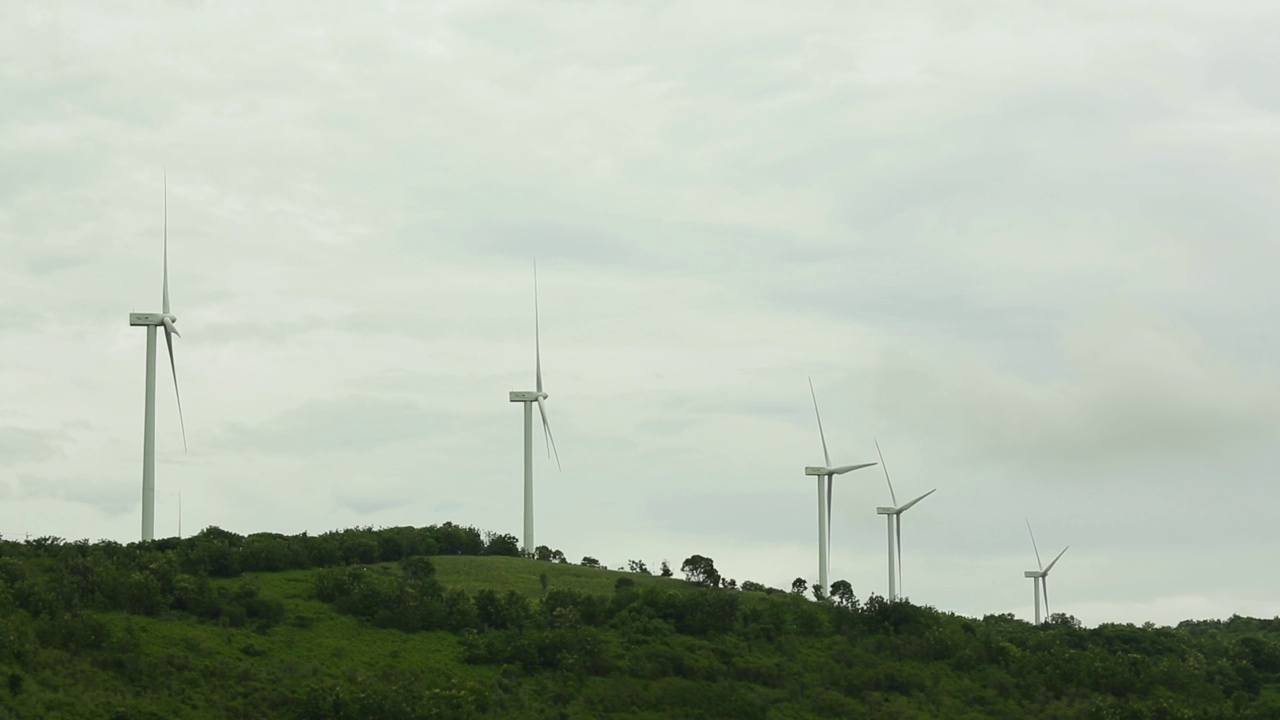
[[447, 622]]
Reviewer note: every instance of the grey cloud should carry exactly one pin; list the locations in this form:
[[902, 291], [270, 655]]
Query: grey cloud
[[727, 516], [1142, 385], [23, 445], [351, 423], [111, 497], [48, 264], [365, 495]]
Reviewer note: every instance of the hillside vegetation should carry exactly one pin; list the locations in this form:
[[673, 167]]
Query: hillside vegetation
[[444, 622]]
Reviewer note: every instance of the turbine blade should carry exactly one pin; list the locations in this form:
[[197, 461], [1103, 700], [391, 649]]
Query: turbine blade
[[169, 327], [1055, 560], [1033, 546], [897, 528], [546, 426], [892, 497], [848, 468], [537, 332], [826, 457], [1044, 589], [168, 341], [546, 433], [165, 293], [908, 506]]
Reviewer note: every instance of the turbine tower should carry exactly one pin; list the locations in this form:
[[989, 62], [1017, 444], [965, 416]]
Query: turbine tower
[[824, 496], [529, 398], [894, 516], [151, 321], [1040, 578]]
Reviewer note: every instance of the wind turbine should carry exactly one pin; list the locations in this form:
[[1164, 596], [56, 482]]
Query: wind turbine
[[895, 529], [529, 398], [824, 496], [1041, 577], [151, 321]]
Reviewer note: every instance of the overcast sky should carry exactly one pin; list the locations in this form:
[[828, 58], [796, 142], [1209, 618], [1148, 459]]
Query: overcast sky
[[1030, 247]]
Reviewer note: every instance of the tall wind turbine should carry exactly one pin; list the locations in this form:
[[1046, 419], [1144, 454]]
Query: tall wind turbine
[[151, 321], [1040, 578], [894, 516], [529, 398], [824, 496]]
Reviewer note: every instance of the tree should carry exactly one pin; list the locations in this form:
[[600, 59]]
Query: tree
[[798, 586], [701, 571], [417, 568], [666, 569], [752, 586], [842, 592], [637, 566], [589, 561], [543, 553], [1062, 620], [558, 557], [502, 544], [819, 593]]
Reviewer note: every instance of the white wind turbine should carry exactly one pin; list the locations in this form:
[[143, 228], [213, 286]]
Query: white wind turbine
[[151, 321], [894, 516], [824, 496], [529, 398], [1041, 577]]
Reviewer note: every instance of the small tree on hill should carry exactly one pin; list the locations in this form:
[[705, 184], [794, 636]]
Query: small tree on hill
[[798, 586], [638, 567], [701, 571], [842, 592], [501, 544], [417, 568], [589, 561], [666, 569]]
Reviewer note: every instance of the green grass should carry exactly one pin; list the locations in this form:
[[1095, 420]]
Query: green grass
[[521, 575], [801, 662]]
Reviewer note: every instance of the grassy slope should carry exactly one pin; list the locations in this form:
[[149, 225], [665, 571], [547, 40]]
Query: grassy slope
[[180, 659], [197, 669]]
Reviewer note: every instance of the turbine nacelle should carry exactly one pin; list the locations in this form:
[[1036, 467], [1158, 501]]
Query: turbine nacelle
[[886, 511], [839, 470], [1034, 573], [146, 319], [527, 395]]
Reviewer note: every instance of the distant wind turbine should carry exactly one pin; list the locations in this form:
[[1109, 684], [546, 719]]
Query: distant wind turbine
[[1041, 577], [151, 321], [824, 496], [894, 516], [529, 398]]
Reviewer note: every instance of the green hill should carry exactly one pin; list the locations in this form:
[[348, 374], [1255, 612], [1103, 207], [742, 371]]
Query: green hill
[[444, 622]]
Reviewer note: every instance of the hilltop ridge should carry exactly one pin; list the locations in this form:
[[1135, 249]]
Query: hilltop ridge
[[447, 622]]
